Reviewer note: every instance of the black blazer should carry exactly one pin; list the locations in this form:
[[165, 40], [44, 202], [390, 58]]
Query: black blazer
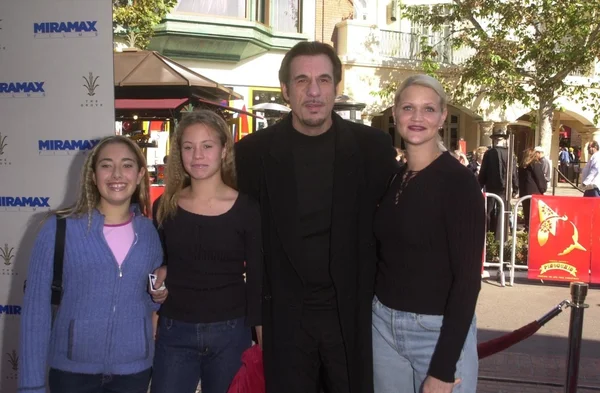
[[364, 163], [532, 180], [492, 174]]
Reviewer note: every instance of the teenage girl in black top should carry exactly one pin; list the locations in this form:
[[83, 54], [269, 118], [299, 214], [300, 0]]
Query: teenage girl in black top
[[430, 230], [211, 236]]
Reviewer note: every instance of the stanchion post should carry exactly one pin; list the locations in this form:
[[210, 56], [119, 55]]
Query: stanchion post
[[578, 293]]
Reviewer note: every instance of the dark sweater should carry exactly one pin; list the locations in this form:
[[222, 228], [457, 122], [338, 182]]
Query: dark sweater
[[431, 246], [205, 256], [313, 167]]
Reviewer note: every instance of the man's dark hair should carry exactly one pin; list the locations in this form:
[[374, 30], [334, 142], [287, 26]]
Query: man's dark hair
[[594, 145], [310, 48]]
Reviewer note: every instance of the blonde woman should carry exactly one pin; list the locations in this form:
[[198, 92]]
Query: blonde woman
[[101, 339], [430, 227], [211, 237]]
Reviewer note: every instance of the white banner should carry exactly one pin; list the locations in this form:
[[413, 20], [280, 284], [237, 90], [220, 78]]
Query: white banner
[[56, 100]]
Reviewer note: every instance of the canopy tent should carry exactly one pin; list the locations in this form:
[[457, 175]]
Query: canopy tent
[[148, 74]]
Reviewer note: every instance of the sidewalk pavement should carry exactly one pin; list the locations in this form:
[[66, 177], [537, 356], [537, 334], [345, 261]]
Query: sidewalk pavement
[[542, 357], [565, 189]]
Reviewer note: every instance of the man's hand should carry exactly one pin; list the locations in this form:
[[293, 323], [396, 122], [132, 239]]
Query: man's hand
[[434, 385], [259, 336], [161, 275]]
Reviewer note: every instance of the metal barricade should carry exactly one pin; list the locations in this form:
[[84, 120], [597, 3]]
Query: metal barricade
[[500, 263], [513, 254]]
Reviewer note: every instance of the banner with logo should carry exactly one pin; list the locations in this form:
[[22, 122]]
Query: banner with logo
[[56, 101], [560, 237]]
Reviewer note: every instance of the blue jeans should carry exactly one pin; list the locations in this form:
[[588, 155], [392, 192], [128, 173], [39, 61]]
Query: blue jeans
[[67, 382], [403, 344], [189, 352]]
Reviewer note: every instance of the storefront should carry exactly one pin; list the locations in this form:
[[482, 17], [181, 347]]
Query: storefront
[[152, 92]]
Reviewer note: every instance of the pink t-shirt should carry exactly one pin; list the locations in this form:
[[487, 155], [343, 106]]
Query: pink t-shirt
[[120, 238]]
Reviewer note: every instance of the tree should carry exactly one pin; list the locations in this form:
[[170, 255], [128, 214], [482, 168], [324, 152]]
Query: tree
[[136, 19], [523, 52]]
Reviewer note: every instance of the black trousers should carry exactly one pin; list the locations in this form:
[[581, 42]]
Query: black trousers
[[526, 212], [493, 213], [316, 356]]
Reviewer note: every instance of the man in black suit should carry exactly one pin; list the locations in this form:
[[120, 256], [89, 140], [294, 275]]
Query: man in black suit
[[318, 179], [492, 177]]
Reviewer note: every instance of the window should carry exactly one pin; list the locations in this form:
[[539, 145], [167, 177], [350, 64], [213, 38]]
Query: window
[[449, 132], [360, 10], [285, 15], [234, 8], [281, 15]]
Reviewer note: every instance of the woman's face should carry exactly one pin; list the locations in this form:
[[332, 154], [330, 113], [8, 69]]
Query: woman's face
[[201, 152], [117, 174], [418, 115]]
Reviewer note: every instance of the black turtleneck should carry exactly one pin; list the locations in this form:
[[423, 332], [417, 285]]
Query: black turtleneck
[[313, 166]]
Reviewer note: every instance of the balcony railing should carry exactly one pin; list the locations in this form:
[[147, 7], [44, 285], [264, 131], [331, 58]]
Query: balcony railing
[[408, 46], [586, 72], [362, 41]]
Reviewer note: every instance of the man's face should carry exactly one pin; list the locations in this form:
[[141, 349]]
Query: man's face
[[310, 93]]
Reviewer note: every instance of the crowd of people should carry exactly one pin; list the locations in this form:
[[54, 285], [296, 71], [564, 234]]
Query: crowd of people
[[356, 268]]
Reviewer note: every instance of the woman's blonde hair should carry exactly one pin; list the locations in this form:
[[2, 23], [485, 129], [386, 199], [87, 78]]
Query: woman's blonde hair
[[89, 196], [529, 156], [433, 84], [177, 177], [425, 81]]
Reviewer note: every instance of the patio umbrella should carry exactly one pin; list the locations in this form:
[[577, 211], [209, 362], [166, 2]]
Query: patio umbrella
[[270, 106]]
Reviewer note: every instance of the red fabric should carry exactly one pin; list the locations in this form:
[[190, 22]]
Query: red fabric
[[250, 378]]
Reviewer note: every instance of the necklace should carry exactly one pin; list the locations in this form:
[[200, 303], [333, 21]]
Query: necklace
[[406, 177]]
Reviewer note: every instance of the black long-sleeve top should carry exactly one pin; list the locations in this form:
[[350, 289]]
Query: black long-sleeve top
[[207, 257], [430, 252]]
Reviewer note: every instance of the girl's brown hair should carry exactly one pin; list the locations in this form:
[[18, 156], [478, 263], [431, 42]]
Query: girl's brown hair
[[177, 177], [89, 196], [529, 156]]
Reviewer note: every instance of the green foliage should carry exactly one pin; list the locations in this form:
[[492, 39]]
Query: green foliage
[[136, 19], [492, 249], [522, 250], [523, 50]]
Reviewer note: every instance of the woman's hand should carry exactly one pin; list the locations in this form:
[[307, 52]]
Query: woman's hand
[[159, 296], [434, 385]]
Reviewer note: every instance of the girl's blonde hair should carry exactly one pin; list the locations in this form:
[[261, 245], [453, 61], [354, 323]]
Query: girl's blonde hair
[[89, 197], [177, 177]]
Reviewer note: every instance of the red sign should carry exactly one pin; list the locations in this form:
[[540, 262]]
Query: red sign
[[595, 262], [560, 237]]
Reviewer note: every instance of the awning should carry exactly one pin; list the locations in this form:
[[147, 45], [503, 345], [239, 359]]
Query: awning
[[139, 73], [168, 103], [229, 108]]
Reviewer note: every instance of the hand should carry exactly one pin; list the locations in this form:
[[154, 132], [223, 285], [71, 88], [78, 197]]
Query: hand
[[259, 336], [161, 275], [434, 385]]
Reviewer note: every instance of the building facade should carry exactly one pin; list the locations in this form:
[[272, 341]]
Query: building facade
[[377, 47], [238, 43]]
